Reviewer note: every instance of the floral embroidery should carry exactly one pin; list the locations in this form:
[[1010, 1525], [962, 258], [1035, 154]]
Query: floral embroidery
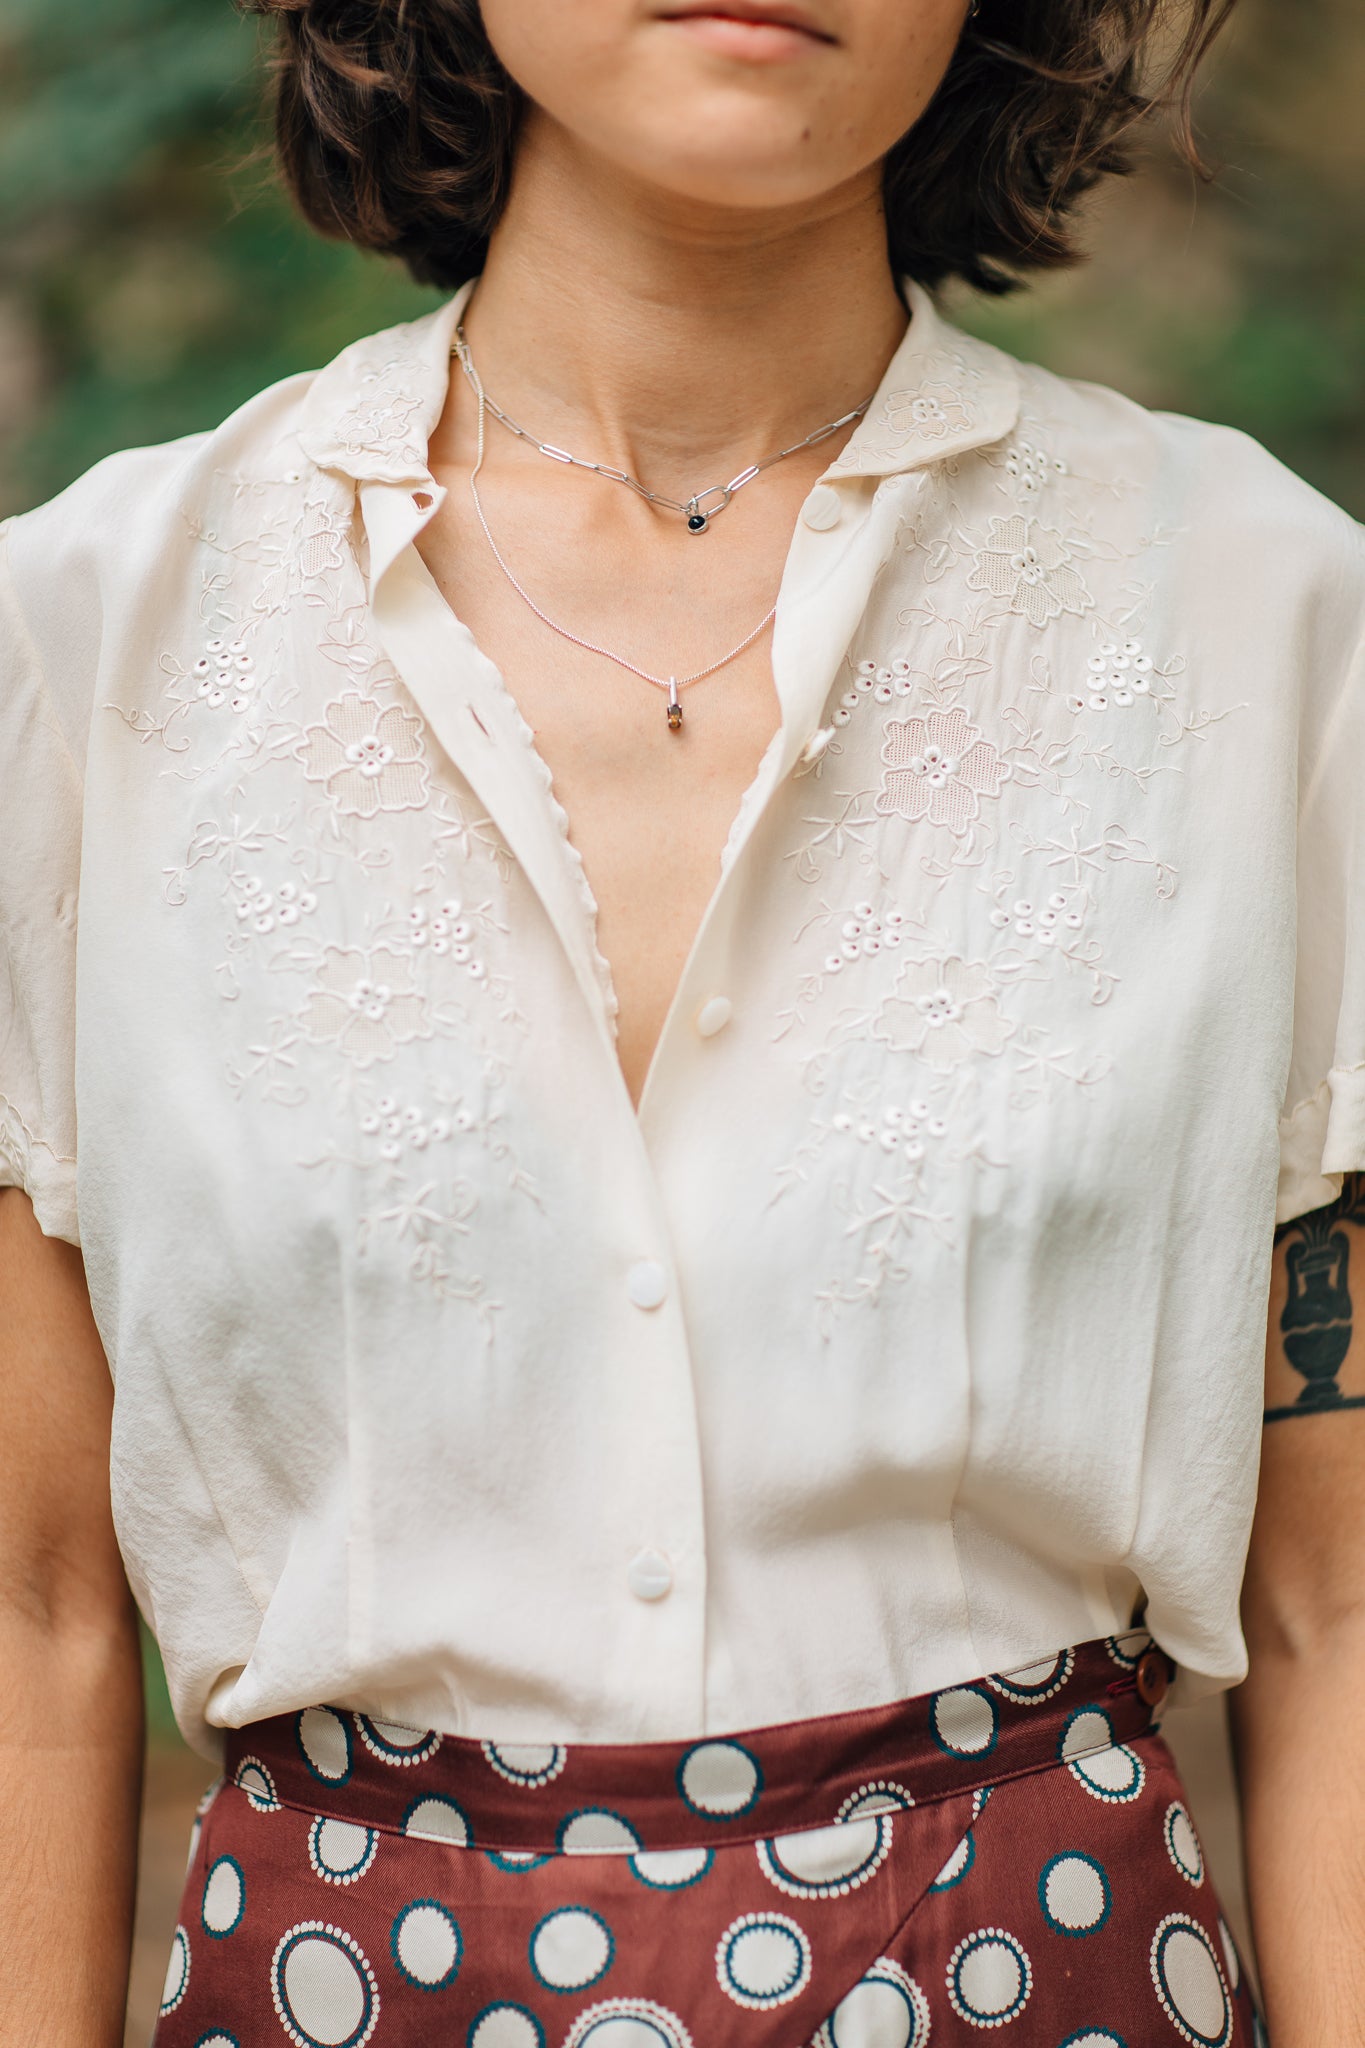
[[390, 1129], [447, 931], [320, 543], [381, 423], [863, 935], [906, 1132], [978, 980], [225, 673], [966, 393], [882, 1153], [365, 1003], [910, 1131], [944, 1010], [930, 1000], [268, 910], [397, 1126], [943, 975], [369, 757], [1047, 923], [1031, 468], [1118, 676], [1030, 567], [857, 934], [874, 679], [295, 589], [411, 1151], [931, 412], [940, 768]]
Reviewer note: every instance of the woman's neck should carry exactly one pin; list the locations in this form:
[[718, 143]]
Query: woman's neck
[[666, 339]]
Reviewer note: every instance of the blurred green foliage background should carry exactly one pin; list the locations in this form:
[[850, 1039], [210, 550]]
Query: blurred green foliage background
[[151, 278]]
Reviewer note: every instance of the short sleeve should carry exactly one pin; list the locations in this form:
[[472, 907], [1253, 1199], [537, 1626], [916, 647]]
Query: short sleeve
[[1322, 1131], [40, 833]]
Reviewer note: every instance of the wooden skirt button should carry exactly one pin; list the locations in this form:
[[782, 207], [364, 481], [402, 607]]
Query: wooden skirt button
[[1152, 1678]]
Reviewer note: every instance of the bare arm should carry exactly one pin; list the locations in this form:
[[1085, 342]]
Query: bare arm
[[71, 1701], [1299, 1720]]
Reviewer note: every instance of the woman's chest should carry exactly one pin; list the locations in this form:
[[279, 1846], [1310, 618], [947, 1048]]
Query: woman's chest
[[997, 918], [639, 661]]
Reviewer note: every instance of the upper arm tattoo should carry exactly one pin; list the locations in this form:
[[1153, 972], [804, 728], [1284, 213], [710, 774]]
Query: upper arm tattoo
[[1317, 1320]]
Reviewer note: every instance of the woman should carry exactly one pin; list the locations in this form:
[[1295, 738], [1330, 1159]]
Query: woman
[[667, 1179]]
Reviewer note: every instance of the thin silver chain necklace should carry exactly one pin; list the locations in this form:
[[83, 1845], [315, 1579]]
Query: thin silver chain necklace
[[696, 510], [672, 684]]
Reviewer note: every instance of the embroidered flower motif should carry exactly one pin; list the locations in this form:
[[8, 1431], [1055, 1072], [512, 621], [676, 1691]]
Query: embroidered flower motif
[[397, 1127], [940, 768], [265, 910], [320, 542], [1117, 676], [1030, 566], [907, 1130], [225, 673], [447, 932], [1055, 919], [878, 680], [944, 1010], [369, 757], [365, 1003], [932, 412], [1032, 468], [380, 423], [863, 935]]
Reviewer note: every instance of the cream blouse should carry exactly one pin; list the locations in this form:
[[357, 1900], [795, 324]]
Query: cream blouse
[[914, 1326]]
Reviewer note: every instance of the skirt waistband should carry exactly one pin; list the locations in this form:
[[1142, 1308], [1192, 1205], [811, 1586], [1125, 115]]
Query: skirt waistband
[[1079, 1708]]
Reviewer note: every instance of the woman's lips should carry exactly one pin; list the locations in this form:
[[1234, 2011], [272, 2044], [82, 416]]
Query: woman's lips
[[751, 39]]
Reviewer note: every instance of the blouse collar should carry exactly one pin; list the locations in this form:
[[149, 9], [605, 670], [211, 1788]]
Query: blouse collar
[[371, 413]]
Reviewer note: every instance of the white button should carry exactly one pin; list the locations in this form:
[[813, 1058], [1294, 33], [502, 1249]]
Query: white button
[[823, 508], [650, 1576], [647, 1284], [714, 1014], [817, 745]]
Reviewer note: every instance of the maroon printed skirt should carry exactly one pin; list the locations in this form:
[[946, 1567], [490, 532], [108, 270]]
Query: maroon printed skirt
[[1010, 1855]]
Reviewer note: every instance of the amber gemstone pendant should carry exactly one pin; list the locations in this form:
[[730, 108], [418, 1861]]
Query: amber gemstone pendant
[[675, 711]]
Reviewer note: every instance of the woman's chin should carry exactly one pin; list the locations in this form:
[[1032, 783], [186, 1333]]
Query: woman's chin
[[739, 159]]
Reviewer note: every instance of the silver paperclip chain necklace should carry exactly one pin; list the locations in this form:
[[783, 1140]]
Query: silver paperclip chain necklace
[[699, 510], [673, 684]]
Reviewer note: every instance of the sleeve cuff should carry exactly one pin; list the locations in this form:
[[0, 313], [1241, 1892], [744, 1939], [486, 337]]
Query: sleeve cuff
[[48, 1181], [1321, 1138]]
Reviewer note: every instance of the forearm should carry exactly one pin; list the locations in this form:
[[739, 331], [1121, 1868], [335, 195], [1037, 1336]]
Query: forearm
[[70, 1780], [1298, 1724]]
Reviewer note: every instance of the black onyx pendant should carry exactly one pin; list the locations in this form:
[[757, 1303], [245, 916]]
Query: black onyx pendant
[[700, 514], [675, 711]]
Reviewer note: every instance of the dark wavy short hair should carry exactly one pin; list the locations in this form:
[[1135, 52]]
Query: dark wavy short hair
[[396, 126]]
